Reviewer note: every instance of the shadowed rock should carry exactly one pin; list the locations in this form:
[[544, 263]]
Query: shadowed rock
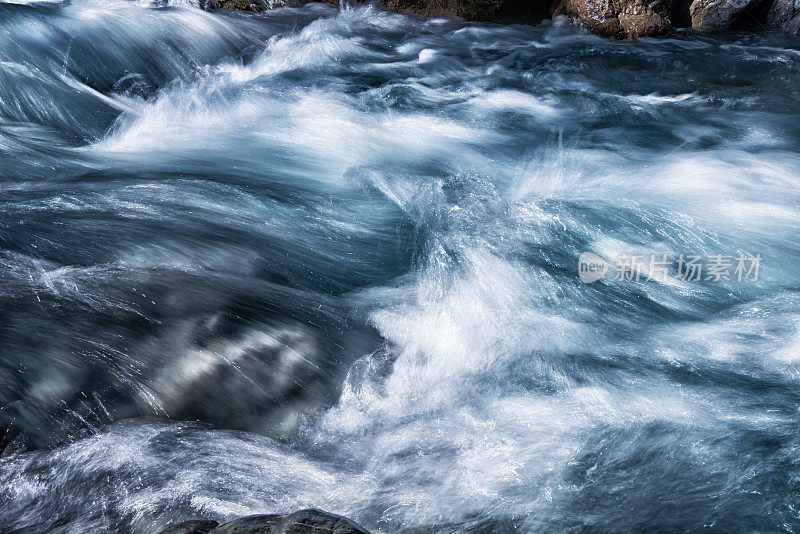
[[309, 521], [238, 5], [301, 522], [718, 14], [194, 526], [785, 14], [260, 381]]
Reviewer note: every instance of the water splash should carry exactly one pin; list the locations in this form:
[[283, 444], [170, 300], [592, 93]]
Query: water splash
[[365, 228]]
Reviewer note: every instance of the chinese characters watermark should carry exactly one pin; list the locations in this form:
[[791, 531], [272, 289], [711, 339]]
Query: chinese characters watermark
[[660, 267]]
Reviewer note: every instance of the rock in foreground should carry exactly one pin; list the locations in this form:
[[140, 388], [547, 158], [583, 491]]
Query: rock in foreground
[[195, 526], [302, 522]]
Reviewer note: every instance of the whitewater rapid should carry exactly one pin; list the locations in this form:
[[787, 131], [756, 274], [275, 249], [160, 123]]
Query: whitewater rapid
[[343, 245]]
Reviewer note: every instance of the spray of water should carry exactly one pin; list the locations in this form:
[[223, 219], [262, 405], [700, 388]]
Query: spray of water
[[357, 232]]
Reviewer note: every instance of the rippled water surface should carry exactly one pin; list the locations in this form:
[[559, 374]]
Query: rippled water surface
[[344, 245]]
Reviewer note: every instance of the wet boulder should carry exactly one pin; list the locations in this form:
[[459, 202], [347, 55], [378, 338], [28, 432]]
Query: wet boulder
[[309, 521], [621, 19], [302, 522], [719, 14], [235, 5], [194, 526], [785, 14]]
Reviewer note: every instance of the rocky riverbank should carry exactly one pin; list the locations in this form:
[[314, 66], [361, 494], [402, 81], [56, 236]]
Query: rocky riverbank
[[621, 19]]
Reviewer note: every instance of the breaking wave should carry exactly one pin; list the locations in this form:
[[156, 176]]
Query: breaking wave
[[344, 243]]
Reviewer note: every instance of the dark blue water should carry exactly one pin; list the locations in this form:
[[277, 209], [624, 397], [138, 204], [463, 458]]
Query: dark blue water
[[345, 245]]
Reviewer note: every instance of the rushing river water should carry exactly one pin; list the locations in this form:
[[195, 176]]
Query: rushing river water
[[345, 244]]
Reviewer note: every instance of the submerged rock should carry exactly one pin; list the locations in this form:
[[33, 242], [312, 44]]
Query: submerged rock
[[261, 381], [309, 521]]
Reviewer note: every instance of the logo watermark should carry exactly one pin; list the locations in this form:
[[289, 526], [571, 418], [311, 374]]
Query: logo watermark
[[661, 267], [591, 267]]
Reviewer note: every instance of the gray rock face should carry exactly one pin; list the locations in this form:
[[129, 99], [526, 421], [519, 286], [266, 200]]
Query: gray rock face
[[302, 522], [785, 14], [718, 14], [622, 19]]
